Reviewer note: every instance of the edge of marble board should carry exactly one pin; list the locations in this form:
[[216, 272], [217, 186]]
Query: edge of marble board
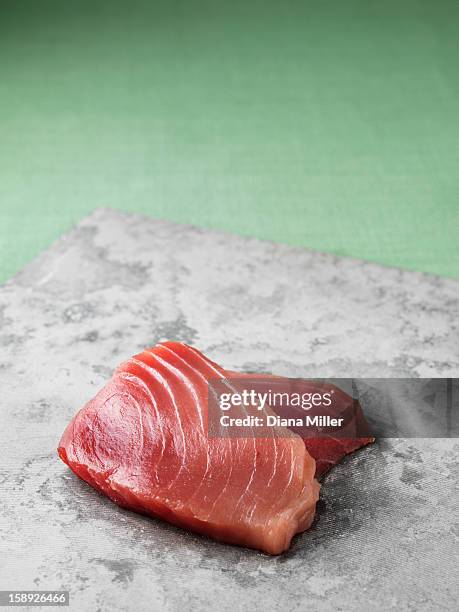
[[98, 214]]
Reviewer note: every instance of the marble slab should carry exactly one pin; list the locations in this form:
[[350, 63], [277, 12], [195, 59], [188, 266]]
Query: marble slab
[[384, 535]]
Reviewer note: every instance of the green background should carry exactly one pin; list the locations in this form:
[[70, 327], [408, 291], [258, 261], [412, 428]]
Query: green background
[[328, 124]]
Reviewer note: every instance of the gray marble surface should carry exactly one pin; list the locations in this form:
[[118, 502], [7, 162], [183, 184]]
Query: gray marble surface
[[384, 536]]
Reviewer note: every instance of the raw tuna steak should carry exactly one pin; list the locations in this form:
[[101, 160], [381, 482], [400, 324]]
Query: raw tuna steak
[[142, 441], [329, 451]]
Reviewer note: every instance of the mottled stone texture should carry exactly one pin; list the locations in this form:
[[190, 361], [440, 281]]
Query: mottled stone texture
[[384, 535]]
